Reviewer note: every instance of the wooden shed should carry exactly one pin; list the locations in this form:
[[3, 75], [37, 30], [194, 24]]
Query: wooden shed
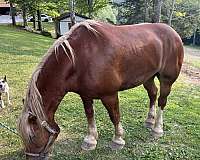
[[63, 22]]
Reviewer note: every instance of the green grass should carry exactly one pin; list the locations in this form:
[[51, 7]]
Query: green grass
[[21, 51], [49, 26]]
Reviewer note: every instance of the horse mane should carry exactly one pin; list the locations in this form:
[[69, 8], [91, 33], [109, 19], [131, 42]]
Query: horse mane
[[33, 102]]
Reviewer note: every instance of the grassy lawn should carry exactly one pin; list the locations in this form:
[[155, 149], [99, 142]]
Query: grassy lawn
[[20, 52]]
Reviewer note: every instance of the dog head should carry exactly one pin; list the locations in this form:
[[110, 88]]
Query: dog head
[[3, 84]]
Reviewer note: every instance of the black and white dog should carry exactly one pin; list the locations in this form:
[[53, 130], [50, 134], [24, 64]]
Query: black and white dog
[[4, 88]]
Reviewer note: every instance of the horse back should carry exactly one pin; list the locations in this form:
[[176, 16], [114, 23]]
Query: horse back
[[122, 57]]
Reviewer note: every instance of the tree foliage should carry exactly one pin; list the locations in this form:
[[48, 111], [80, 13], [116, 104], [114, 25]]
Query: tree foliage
[[183, 15], [131, 12], [106, 14], [56, 7], [186, 19]]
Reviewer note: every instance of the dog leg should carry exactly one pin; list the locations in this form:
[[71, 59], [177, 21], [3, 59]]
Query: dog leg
[[1, 102], [8, 98]]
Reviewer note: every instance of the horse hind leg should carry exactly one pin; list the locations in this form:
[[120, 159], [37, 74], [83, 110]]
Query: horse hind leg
[[90, 141], [112, 105], [152, 93], [167, 76], [165, 88]]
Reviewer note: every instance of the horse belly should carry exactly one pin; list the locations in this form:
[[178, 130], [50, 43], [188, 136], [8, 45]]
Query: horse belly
[[138, 71], [133, 81]]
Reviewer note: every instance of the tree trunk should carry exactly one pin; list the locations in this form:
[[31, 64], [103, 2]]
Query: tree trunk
[[24, 16], [34, 22], [12, 13], [72, 14], [146, 14], [157, 11], [194, 37], [39, 20], [171, 14], [90, 4]]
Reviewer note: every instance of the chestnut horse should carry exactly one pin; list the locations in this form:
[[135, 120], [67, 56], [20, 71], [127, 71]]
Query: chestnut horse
[[96, 60]]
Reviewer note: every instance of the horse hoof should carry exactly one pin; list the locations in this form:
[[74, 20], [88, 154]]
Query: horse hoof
[[117, 144], [149, 125], [88, 146], [157, 133]]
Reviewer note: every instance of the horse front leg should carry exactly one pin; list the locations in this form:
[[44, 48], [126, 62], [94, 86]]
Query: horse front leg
[[112, 105], [90, 141]]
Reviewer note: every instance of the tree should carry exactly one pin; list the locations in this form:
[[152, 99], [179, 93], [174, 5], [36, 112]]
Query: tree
[[12, 13], [90, 7], [131, 12], [182, 15], [146, 14], [24, 13], [186, 18], [25, 6], [106, 14], [171, 13], [72, 12], [157, 5]]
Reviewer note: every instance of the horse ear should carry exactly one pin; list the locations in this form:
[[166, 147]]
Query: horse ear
[[31, 117], [5, 80]]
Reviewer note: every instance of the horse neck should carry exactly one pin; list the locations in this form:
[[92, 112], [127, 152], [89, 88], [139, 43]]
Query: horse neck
[[53, 84]]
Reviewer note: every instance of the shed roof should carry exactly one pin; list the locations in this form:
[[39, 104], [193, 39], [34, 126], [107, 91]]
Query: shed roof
[[67, 15]]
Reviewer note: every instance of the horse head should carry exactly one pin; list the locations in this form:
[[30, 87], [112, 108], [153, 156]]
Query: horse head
[[38, 132]]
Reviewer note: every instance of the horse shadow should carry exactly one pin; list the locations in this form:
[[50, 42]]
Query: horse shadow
[[69, 148]]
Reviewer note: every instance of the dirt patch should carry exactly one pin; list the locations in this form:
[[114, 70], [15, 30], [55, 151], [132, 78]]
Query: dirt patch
[[192, 51], [192, 73]]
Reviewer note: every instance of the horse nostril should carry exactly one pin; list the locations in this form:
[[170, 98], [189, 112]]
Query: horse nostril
[[1, 86]]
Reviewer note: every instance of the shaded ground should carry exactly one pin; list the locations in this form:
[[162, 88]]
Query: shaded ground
[[192, 73]]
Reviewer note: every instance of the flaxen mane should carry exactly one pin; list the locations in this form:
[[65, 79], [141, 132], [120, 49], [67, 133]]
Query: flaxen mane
[[33, 102]]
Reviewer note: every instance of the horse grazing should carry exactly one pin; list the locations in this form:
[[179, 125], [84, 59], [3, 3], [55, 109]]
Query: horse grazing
[[96, 60]]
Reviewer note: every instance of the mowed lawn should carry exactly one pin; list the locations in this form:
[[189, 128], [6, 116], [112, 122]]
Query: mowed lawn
[[21, 51]]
